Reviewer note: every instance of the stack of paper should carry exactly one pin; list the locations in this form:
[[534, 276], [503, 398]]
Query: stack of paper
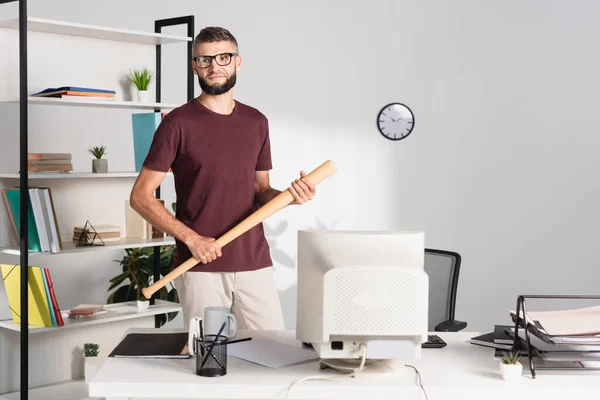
[[566, 335]]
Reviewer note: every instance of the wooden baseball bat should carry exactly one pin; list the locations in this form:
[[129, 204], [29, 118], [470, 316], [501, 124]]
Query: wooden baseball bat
[[279, 202]]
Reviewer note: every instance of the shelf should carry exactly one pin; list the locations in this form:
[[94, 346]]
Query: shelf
[[70, 247], [116, 312], [94, 31], [75, 389], [83, 102], [72, 175]]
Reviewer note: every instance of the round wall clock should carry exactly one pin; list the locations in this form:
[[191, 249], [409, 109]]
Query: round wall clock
[[395, 121]]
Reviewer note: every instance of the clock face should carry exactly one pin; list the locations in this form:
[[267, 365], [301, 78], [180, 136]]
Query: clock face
[[395, 121]]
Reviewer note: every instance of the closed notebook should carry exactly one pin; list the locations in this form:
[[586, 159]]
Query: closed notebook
[[501, 335], [153, 345], [38, 308], [487, 340]]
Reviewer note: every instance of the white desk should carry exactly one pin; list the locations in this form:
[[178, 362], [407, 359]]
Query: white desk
[[458, 371]]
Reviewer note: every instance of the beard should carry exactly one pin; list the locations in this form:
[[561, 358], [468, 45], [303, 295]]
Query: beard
[[215, 90]]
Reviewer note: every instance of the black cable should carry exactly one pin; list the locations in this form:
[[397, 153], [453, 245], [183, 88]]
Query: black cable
[[419, 377]]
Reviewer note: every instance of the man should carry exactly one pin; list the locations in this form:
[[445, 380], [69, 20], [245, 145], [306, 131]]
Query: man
[[220, 155]]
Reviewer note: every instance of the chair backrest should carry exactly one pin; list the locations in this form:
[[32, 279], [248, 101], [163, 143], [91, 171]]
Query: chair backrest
[[442, 267]]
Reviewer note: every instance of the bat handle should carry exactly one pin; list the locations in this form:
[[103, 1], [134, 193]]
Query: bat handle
[[156, 286]]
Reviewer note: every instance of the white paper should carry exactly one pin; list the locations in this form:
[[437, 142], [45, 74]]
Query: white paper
[[271, 354], [581, 321]]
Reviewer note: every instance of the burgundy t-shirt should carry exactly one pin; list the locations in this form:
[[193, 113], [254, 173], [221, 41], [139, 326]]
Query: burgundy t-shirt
[[214, 158]]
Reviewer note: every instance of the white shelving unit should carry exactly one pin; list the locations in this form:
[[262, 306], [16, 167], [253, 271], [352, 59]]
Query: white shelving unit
[[93, 31], [75, 389], [73, 175], [115, 312], [70, 247], [84, 102], [54, 354]]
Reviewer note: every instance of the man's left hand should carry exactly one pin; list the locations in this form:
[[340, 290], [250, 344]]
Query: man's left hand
[[302, 189]]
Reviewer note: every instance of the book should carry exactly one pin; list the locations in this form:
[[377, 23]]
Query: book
[[49, 299], [144, 126], [101, 228], [74, 89], [38, 308], [43, 231], [87, 309], [152, 345], [49, 156], [487, 340], [12, 199], [501, 335], [50, 168], [57, 314], [67, 93]]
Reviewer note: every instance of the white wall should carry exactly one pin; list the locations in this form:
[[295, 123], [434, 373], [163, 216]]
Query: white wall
[[501, 164]]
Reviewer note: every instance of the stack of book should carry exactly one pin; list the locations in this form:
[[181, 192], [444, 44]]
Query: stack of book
[[42, 306], [500, 338], [77, 92], [43, 233], [94, 233], [137, 226], [86, 310], [49, 162]]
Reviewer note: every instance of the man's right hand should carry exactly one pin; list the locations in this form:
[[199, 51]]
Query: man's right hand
[[203, 248]]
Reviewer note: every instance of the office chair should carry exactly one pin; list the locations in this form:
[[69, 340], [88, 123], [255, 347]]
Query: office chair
[[443, 268]]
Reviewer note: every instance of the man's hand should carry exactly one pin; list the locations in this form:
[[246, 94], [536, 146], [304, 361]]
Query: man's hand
[[302, 189], [203, 248]]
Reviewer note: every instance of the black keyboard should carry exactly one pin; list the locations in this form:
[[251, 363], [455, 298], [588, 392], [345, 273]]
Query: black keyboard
[[433, 342]]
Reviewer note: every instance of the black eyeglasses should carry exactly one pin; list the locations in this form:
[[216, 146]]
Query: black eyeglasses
[[222, 59]]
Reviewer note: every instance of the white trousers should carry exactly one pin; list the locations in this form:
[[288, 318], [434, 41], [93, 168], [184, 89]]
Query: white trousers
[[252, 296]]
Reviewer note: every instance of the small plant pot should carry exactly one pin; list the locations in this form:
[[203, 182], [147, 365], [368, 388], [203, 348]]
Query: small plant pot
[[100, 165], [143, 304], [90, 368], [142, 96], [511, 372]]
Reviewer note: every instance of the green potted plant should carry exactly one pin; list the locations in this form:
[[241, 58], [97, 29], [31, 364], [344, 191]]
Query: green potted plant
[[99, 164], [510, 367], [90, 351], [141, 79], [138, 273]]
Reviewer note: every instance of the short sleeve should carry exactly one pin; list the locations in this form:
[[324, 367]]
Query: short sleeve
[[263, 163], [164, 147]]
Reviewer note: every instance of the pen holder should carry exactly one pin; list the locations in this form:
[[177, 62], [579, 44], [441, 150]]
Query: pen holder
[[211, 360]]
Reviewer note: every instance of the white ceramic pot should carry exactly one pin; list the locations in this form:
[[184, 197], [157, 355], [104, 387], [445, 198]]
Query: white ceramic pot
[[511, 372], [90, 368], [100, 165], [143, 305], [142, 96]]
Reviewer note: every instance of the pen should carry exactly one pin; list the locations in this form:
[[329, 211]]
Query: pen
[[201, 330], [239, 340]]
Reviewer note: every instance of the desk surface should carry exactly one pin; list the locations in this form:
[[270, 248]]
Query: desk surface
[[459, 369]]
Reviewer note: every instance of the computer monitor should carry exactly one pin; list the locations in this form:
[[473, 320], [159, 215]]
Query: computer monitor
[[362, 287]]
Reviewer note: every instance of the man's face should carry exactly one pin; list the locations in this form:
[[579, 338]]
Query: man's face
[[216, 79]]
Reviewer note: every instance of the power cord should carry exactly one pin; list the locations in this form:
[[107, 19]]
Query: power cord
[[362, 347], [419, 379]]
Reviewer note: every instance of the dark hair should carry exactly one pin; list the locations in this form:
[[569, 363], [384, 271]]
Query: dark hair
[[212, 34]]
